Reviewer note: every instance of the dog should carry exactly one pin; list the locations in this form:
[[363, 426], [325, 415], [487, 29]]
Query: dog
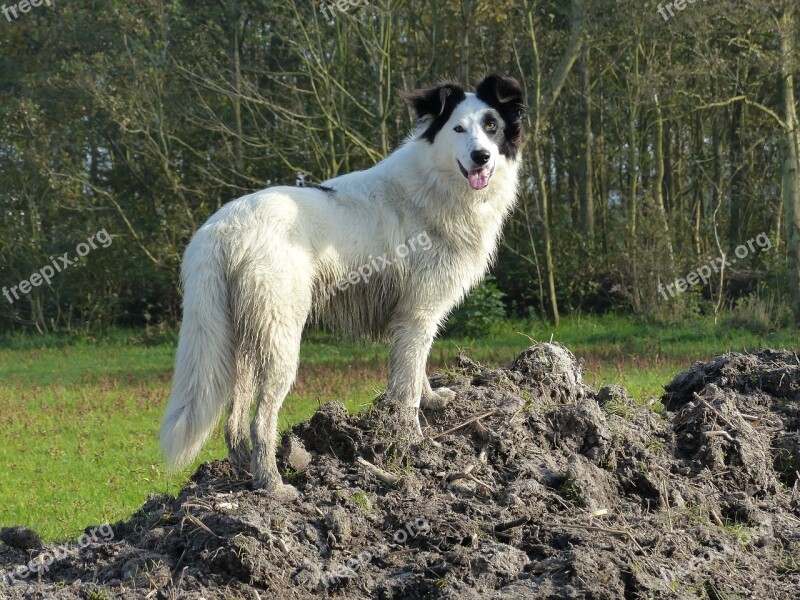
[[385, 253]]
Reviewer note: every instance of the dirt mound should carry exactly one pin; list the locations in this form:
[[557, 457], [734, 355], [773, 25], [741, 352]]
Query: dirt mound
[[729, 402], [529, 485]]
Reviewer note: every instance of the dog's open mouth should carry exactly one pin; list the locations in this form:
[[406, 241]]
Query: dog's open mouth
[[477, 178]]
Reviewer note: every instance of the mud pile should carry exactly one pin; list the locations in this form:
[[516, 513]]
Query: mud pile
[[530, 485]]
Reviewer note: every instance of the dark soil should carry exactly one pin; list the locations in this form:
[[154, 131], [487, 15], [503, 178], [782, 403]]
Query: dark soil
[[530, 485]]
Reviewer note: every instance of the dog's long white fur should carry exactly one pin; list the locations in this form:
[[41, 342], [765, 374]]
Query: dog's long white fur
[[205, 359], [255, 272]]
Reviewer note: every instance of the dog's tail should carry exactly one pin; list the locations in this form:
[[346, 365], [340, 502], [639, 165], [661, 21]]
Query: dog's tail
[[204, 368]]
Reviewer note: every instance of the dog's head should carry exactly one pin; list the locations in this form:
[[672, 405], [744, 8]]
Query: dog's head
[[472, 132]]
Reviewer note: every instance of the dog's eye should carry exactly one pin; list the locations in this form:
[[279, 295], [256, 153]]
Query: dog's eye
[[459, 129], [491, 126]]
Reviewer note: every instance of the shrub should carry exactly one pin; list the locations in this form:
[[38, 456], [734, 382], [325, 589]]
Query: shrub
[[480, 312], [759, 314]]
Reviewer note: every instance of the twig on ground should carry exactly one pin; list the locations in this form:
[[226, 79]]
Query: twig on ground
[[664, 491], [384, 476], [467, 422], [511, 524], [480, 483], [705, 403], [467, 472], [719, 433], [187, 516], [462, 475], [610, 530]]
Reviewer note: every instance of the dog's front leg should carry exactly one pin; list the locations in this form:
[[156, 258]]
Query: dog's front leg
[[410, 343]]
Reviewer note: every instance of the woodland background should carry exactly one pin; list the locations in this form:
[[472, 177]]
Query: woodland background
[[651, 145]]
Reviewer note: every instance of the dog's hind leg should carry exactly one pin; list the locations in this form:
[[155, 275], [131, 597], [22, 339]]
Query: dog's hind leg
[[282, 354], [271, 302], [237, 431]]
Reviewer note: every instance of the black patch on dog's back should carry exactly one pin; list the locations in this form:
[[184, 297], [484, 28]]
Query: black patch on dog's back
[[505, 96], [324, 188], [438, 103]]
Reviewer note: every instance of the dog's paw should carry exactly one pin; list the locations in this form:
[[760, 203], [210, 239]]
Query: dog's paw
[[400, 420], [438, 399], [281, 492]]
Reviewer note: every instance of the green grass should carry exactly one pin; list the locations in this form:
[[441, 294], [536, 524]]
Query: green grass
[[79, 418]]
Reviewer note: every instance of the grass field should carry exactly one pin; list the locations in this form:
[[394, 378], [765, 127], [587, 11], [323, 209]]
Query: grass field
[[79, 418]]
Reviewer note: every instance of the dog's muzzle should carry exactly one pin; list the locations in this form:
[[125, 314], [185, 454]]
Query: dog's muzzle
[[477, 178]]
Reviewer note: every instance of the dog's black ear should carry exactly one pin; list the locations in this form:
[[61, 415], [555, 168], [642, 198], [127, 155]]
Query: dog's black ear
[[434, 101], [435, 104], [504, 94]]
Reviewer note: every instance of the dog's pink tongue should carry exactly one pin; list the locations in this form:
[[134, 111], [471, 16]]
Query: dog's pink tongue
[[479, 178]]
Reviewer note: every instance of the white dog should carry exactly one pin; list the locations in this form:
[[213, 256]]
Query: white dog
[[384, 252]]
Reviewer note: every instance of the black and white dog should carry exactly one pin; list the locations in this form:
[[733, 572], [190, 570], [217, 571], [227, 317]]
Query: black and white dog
[[384, 252]]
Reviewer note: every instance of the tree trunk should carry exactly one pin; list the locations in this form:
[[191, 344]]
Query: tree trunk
[[466, 17], [602, 179], [236, 100], [384, 67], [633, 175], [669, 171], [737, 174], [544, 204], [658, 183], [697, 188], [542, 103], [585, 164], [791, 166]]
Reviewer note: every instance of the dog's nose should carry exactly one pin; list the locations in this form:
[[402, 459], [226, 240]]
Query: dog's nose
[[480, 157]]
